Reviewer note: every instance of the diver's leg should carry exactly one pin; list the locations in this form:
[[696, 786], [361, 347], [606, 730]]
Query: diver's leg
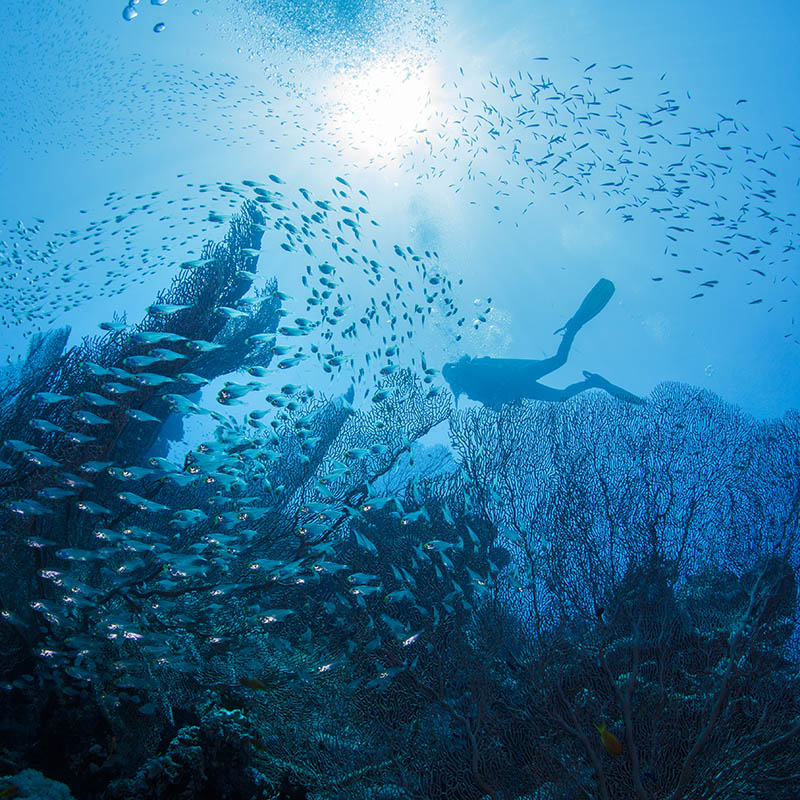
[[550, 395], [594, 302], [591, 381], [545, 366], [599, 382], [592, 305]]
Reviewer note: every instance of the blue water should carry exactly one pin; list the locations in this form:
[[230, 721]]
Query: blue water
[[93, 105], [424, 183]]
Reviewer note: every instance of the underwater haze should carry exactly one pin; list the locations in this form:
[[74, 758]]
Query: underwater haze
[[399, 400]]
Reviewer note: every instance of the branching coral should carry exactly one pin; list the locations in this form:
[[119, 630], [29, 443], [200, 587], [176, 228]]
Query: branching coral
[[299, 600]]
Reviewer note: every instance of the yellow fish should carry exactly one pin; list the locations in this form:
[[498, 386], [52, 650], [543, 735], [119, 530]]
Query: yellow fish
[[612, 745]]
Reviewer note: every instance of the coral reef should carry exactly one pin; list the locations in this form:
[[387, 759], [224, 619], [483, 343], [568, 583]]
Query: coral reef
[[212, 759], [591, 598], [33, 785]]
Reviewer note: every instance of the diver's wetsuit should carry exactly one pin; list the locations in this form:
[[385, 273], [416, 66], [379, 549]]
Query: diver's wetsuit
[[494, 381]]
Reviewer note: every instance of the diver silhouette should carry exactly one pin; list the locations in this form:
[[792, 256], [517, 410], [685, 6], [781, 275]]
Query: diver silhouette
[[495, 381]]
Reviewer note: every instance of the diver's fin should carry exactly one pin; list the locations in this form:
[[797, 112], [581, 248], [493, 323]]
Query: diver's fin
[[592, 305]]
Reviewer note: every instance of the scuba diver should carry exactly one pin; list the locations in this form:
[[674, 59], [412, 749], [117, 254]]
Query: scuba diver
[[494, 381]]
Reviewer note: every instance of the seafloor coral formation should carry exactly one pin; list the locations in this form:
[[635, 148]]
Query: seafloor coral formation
[[591, 598], [33, 785]]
